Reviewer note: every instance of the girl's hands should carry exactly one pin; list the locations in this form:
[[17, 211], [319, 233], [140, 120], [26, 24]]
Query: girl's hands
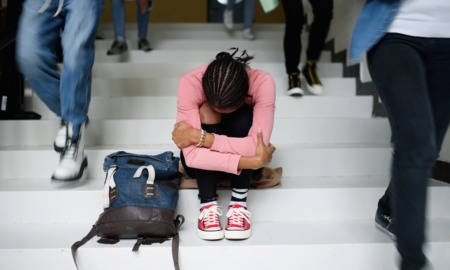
[[182, 135], [263, 153]]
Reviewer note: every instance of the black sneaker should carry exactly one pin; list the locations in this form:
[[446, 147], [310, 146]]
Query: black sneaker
[[295, 87], [385, 223], [312, 79], [144, 45], [117, 47]]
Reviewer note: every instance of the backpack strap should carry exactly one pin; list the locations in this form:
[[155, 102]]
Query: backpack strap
[[76, 245], [179, 220]]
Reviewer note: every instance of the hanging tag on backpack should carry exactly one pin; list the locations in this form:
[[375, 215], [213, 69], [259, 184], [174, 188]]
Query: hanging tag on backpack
[[149, 190]]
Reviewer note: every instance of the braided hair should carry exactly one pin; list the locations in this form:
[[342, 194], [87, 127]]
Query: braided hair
[[225, 81]]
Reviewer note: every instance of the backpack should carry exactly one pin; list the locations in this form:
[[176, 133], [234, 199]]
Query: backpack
[[140, 197]]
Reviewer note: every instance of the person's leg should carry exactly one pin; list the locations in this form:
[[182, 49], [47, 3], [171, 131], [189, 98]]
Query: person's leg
[[438, 70], [37, 38], [209, 227], [142, 23], [402, 84], [323, 13], [249, 16], [228, 15], [295, 19], [78, 39], [238, 124], [118, 14], [292, 45]]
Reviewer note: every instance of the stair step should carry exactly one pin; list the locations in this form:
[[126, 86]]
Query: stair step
[[147, 107], [223, 44], [301, 198], [142, 132], [206, 34], [161, 55], [168, 86], [294, 243], [158, 70], [193, 27], [296, 159]]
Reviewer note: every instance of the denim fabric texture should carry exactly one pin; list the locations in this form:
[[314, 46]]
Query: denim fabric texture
[[372, 24], [249, 11], [411, 75], [67, 94], [118, 14], [130, 191]]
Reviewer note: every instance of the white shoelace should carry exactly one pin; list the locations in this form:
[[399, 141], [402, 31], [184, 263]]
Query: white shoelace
[[210, 216], [236, 216], [47, 4]]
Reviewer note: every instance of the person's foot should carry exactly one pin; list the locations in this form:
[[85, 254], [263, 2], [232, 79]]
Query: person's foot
[[238, 225], [144, 45], [385, 223], [209, 227], [117, 47], [294, 87], [248, 34], [228, 19], [312, 79], [61, 137], [72, 160]]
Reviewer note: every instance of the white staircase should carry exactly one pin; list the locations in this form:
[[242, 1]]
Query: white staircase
[[335, 160]]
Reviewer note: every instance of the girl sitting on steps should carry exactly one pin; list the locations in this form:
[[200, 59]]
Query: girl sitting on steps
[[225, 116]]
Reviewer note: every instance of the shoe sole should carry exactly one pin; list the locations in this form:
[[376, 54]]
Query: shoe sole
[[237, 235], [385, 231], [295, 92], [210, 235], [316, 90], [57, 148], [78, 176]]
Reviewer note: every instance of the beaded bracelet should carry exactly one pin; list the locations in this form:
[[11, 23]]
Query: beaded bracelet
[[202, 139]]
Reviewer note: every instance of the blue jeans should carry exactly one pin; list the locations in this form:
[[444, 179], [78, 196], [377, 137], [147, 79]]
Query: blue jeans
[[118, 13], [67, 94], [249, 11], [411, 75]]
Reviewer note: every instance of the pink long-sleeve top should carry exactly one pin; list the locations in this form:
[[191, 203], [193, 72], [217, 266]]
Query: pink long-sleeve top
[[225, 152]]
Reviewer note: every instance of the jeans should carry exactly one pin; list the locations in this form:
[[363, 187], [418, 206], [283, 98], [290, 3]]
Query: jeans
[[295, 19], [68, 93], [249, 11], [235, 124], [411, 75], [118, 13]]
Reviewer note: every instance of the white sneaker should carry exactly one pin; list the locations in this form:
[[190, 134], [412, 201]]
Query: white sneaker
[[72, 161], [228, 19], [248, 34], [61, 137]]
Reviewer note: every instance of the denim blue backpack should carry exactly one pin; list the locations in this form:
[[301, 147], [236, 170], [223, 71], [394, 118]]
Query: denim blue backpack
[[140, 197]]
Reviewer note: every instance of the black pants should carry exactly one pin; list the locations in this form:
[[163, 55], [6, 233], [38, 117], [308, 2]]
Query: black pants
[[411, 75], [295, 19], [235, 124]]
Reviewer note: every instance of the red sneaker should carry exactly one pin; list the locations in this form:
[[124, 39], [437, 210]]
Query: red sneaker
[[238, 225], [209, 227]]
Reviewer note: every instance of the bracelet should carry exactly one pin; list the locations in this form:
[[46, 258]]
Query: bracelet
[[202, 139]]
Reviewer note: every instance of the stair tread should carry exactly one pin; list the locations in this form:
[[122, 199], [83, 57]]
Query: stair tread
[[329, 232]]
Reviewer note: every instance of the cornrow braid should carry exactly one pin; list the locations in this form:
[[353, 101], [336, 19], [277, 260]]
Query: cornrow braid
[[225, 81]]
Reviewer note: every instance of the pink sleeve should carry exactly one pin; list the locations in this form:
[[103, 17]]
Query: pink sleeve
[[262, 93], [190, 97]]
